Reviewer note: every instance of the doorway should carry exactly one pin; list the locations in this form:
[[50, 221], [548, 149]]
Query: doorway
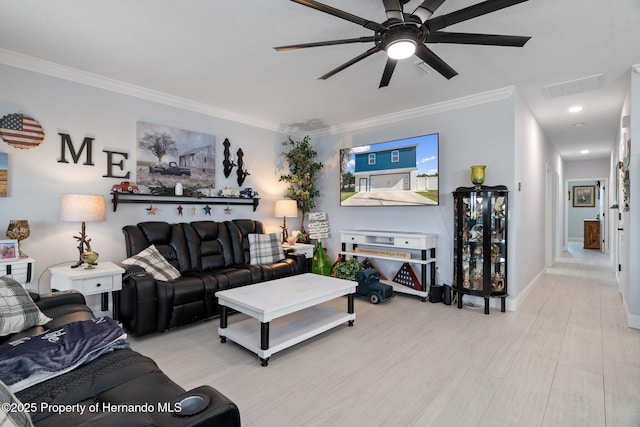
[[587, 213]]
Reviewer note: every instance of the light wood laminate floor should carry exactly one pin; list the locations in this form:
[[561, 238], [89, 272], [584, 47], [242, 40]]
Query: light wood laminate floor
[[565, 358]]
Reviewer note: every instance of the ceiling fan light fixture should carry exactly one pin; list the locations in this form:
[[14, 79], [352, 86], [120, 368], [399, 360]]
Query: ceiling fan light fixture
[[401, 49]]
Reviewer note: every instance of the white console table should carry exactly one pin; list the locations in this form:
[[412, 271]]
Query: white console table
[[395, 241]]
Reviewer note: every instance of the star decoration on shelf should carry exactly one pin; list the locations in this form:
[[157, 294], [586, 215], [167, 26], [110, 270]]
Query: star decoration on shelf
[[180, 210], [228, 210], [207, 210], [193, 211], [151, 210]]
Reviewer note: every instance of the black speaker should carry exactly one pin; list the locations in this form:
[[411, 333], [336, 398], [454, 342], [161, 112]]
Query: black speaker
[[446, 294], [435, 293]]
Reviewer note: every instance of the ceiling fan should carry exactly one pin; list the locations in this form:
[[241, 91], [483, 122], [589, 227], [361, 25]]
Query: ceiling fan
[[405, 34]]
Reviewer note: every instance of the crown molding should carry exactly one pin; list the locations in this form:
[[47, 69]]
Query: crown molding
[[52, 69], [440, 107]]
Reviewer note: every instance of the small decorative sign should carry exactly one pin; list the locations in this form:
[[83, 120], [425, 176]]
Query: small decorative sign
[[21, 131], [383, 252], [318, 225]]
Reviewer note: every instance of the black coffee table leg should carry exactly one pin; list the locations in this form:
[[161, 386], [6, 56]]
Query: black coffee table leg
[[264, 340], [223, 322]]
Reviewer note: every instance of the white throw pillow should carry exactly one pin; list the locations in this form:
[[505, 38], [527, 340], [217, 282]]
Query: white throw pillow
[[154, 263], [265, 248], [17, 310]]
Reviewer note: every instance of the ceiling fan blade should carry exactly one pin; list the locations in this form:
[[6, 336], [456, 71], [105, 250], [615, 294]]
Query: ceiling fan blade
[[435, 62], [350, 63], [388, 72], [481, 39], [470, 12], [393, 9], [427, 8], [340, 14], [325, 43]]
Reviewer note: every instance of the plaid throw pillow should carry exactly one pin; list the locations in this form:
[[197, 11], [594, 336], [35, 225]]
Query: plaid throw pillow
[[265, 248], [17, 310], [154, 263], [17, 416]]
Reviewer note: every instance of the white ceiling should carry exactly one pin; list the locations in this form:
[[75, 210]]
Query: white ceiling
[[219, 53]]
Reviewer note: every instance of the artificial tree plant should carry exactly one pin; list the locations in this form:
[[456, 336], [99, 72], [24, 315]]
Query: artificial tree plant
[[303, 174]]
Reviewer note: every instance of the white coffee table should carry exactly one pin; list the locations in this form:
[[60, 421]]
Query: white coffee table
[[288, 311]]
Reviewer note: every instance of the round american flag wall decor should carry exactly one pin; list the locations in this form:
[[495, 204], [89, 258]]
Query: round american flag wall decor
[[21, 131]]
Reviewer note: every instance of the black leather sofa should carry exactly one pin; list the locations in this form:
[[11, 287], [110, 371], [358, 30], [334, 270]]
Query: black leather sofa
[[210, 256], [113, 383]]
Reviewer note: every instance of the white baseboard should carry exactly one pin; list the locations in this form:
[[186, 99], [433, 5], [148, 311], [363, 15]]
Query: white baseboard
[[633, 321], [515, 302]]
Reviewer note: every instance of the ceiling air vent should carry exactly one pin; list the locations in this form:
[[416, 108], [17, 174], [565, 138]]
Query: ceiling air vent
[[572, 87], [424, 67]]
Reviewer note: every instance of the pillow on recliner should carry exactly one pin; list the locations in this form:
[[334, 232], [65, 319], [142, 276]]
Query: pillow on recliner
[[265, 248], [154, 263], [15, 414], [17, 310]]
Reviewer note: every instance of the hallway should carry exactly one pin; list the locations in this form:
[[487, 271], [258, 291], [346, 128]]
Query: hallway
[[597, 375]]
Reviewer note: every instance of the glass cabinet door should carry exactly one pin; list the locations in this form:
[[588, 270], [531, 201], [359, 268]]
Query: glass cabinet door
[[480, 244]]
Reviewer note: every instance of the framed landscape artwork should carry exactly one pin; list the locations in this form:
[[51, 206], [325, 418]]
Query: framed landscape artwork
[[584, 196], [168, 155], [4, 174]]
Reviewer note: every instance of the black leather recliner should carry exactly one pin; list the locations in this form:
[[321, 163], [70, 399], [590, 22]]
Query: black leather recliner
[[120, 377], [211, 256]]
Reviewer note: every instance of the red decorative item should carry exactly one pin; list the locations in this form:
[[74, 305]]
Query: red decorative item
[[21, 131], [405, 276]]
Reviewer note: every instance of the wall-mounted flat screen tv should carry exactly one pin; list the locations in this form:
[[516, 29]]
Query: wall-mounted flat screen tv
[[403, 172]]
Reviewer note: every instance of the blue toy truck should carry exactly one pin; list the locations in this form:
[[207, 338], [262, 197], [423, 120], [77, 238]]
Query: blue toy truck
[[369, 286]]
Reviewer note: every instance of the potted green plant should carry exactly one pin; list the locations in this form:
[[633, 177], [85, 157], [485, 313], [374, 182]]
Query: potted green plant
[[302, 176], [348, 269]]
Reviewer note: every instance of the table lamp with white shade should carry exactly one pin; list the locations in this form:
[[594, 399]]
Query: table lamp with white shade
[[286, 208], [83, 207]]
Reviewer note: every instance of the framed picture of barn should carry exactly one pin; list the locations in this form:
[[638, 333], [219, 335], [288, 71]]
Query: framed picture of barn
[[167, 156]]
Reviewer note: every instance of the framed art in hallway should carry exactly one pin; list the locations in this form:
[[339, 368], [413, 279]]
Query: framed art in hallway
[[584, 196]]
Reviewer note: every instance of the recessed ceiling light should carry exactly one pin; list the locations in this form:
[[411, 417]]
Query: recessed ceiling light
[[584, 151], [575, 109]]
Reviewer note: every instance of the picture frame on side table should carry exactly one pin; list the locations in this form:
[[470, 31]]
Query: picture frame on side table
[[9, 250], [584, 196]]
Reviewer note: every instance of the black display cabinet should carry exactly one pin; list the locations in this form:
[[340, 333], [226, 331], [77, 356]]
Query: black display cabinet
[[480, 243]]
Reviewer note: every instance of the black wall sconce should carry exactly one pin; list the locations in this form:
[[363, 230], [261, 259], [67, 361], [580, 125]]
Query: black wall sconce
[[228, 161], [242, 172]]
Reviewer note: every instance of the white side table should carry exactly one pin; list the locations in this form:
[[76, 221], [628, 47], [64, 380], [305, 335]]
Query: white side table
[[21, 270], [302, 248], [104, 278]]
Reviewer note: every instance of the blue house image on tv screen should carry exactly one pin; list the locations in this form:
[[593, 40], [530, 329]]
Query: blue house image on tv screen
[[386, 169]]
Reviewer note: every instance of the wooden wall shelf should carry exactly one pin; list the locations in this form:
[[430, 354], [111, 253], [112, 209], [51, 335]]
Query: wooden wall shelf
[[185, 200]]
